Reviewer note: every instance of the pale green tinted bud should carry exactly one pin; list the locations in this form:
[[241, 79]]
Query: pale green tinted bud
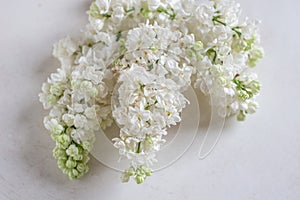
[[68, 130], [255, 55], [139, 179], [199, 56], [59, 153], [58, 129], [77, 157], [94, 11], [71, 163], [154, 49], [239, 45], [147, 171], [254, 86], [241, 116], [85, 158], [250, 43], [190, 53], [146, 13], [125, 178], [61, 163], [87, 145], [198, 46], [93, 92], [75, 84], [82, 167], [131, 171], [51, 99], [243, 95], [222, 81], [72, 150], [140, 173], [252, 107], [86, 85], [63, 141], [56, 89], [148, 140], [74, 173]]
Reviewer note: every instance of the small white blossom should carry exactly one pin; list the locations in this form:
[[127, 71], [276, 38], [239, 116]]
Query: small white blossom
[[64, 49], [80, 121], [53, 126]]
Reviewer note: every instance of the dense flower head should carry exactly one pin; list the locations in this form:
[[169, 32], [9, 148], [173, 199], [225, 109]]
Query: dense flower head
[[132, 64], [147, 105]]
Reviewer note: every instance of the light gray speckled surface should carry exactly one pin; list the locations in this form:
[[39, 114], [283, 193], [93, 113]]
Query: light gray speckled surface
[[258, 159]]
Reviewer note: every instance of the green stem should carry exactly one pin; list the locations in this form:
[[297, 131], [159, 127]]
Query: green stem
[[163, 10], [139, 148], [130, 10], [118, 36], [236, 31], [216, 19], [212, 51], [106, 15]]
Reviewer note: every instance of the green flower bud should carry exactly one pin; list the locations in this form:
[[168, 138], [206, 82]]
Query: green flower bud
[[63, 141], [68, 130], [198, 46], [255, 55], [154, 49], [238, 45], [93, 92], [65, 170], [131, 171], [127, 174], [82, 168], [148, 140], [71, 163], [78, 157], [61, 163], [190, 53], [147, 171], [252, 106], [75, 173], [140, 173], [199, 56], [72, 150], [146, 13], [243, 95], [51, 99], [139, 179], [59, 153], [241, 116], [85, 158], [54, 136], [56, 89], [249, 43], [94, 11], [58, 129], [75, 84], [124, 178], [254, 86], [222, 81], [87, 145], [86, 85]]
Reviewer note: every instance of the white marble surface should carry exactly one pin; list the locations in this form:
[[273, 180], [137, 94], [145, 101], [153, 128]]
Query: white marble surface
[[258, 159]]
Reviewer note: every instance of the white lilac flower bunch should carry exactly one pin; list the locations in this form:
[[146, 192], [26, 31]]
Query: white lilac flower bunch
[[131, 66]]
